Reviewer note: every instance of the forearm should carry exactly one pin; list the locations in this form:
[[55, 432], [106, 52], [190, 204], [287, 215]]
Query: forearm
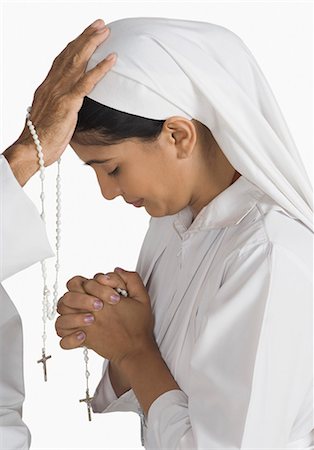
[[149, 377], [23, 161], [119, 383]]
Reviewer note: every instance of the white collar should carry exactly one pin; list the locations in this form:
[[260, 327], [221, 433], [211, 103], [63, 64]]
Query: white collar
[[227, 208]]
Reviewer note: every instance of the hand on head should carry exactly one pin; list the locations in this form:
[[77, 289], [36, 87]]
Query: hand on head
[[60, 96]]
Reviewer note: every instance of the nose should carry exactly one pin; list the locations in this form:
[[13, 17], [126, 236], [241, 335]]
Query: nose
[[110, 194], [109, 189]]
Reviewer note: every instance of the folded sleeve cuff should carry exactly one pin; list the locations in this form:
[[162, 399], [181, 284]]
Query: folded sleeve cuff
[[167, 418]]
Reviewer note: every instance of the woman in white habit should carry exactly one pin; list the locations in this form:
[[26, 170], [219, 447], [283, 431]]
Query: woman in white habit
[[212, 346]]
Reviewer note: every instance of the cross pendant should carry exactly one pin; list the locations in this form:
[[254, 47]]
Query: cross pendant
[[88, 401], [43, 360]]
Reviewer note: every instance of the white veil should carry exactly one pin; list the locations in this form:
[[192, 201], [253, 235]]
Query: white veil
[[204, 71]]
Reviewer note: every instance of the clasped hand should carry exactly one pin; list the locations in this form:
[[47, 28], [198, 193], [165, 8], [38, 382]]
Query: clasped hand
[[116, 331]]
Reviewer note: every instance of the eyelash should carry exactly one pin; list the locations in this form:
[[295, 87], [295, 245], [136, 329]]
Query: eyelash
[[114, 172]]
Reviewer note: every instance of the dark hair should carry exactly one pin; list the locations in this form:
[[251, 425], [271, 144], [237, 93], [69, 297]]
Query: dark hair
[[102, 125]]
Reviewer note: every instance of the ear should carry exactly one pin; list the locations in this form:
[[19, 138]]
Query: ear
[[182, 133]]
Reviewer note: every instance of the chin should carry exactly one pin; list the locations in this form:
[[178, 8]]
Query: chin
[[160, 214]]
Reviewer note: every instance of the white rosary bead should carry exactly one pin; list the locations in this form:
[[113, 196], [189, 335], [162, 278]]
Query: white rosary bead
[[48, 311]]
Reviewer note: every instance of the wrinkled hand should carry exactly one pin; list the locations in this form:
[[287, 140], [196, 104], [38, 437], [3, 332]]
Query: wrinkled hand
[[58, 99], [117, 330]]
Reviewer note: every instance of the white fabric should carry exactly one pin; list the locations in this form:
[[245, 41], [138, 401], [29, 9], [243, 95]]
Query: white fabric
[[22, 243], [231, 294], [204, 71]]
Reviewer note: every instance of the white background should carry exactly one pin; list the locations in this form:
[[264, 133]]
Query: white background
[[98, 235]]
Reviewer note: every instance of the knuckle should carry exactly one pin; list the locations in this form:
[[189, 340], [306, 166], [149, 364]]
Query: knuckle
[[59, 333], [59, 305], [84, 86], [87, 283], [63, 344], [71, 282], [97, 275], [77, 59], [66, 298]]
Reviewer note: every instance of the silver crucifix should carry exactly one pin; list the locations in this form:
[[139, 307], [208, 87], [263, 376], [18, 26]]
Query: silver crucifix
[[88, 401], [43, 361]]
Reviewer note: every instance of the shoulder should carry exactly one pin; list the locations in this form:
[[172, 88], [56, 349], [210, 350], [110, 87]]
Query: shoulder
[[269, 225]]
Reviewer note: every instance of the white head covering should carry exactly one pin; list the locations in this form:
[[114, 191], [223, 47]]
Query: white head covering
[[204, 71]]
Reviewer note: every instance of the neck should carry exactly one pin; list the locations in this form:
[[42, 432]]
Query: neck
[[213, 191]]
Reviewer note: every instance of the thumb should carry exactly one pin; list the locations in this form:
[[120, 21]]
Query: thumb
[[134, 284]]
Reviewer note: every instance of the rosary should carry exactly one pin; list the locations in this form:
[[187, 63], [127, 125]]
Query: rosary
[[49, 311]]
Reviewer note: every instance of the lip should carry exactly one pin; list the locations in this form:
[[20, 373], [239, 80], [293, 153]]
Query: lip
[[137, 203]]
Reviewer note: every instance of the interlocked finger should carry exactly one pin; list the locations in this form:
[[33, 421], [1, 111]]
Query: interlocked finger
[[79, 302], [73, 340], [70, 322], [105, 293], [75, 284]]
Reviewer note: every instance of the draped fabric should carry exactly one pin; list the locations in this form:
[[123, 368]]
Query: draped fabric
[[204, 71]]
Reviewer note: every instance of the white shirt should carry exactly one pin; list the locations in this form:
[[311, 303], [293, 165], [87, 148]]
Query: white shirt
[[231, 293], [22, 243]]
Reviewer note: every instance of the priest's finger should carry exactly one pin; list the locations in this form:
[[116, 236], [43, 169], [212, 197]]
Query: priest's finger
[[92, 36], [74, 340], [89, 80]]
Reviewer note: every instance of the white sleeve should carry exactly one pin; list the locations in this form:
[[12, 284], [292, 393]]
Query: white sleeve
[[23, 242], [13, 432], [251, 367], [104, 394], [23, 238]]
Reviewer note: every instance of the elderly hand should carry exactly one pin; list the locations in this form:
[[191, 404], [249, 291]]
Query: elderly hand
[[117, 330], [59, 98]]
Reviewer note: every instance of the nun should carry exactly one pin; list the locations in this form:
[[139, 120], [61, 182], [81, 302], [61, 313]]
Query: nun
[[212, 345]]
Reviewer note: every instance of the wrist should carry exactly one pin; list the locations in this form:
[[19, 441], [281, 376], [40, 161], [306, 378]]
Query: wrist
[[147, 352], [23, 161]]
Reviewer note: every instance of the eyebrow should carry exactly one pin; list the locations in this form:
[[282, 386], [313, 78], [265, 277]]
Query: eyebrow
[[96, 161]]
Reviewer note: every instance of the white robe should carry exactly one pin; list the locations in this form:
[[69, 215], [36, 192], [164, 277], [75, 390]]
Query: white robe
[[22, 243], [232, 301], [232, 297]]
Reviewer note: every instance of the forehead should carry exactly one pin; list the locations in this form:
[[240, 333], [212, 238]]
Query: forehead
[[127, 149]]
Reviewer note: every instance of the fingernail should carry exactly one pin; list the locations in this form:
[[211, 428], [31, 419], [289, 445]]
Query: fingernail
[[98, 304], [89, 318], [111, 56], [80, 336], [115, 298], [99, 23], [118, 269]]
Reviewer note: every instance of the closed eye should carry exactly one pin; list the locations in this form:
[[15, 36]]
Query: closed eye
[[114, 172]]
